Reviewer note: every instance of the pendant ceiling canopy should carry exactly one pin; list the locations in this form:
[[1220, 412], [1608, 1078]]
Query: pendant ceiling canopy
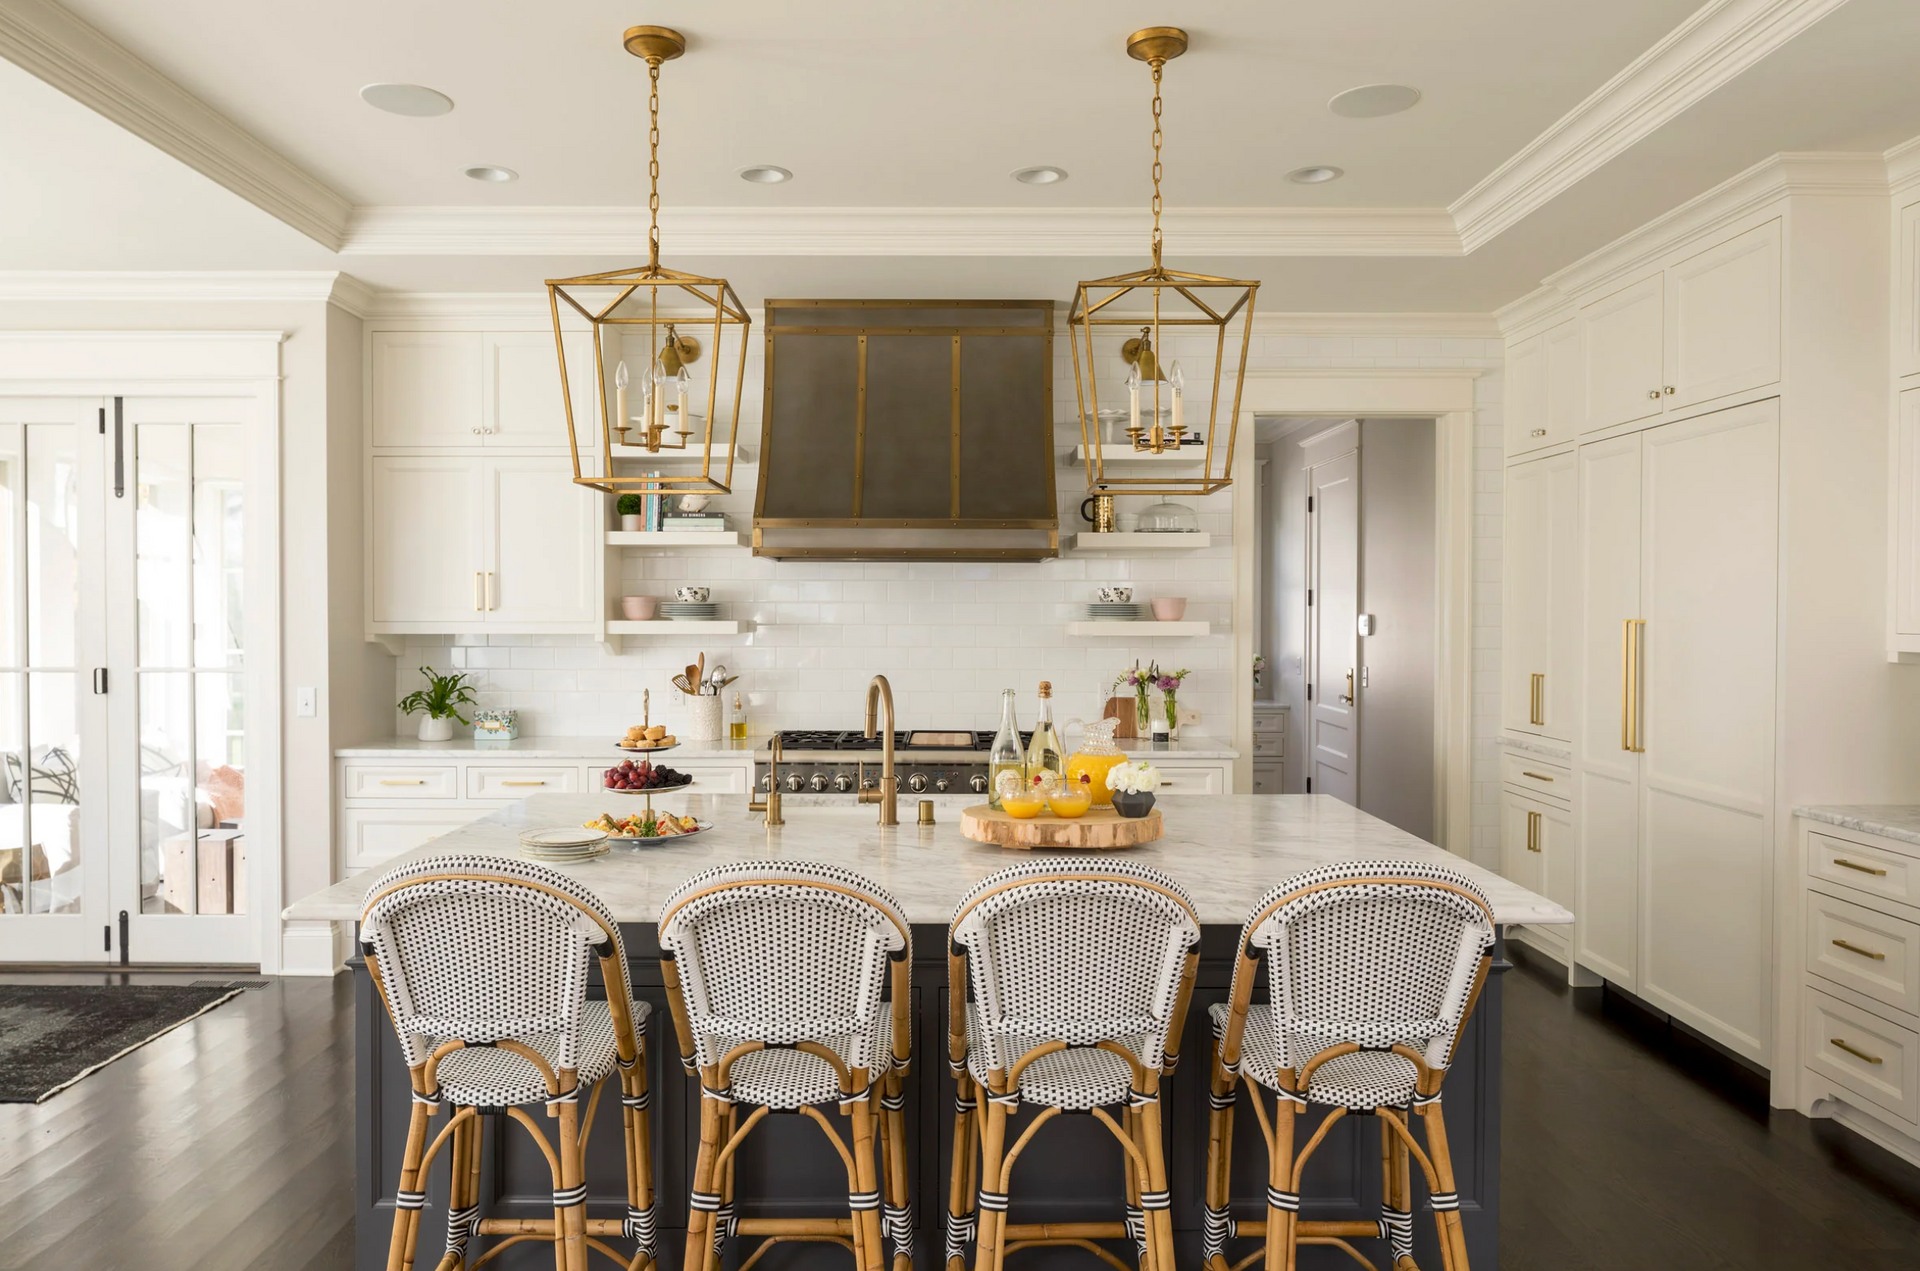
[[638, 337], [1158, 353]]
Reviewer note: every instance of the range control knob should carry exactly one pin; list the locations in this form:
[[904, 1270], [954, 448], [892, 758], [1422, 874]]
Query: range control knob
[[869, 783], [842, 782], [940, 784], [766, 781], [819, 782], [794, 782], [917, 782], [978, 782]]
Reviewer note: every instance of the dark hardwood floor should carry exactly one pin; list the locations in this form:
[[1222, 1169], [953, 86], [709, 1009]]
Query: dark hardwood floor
[[227, 1144]]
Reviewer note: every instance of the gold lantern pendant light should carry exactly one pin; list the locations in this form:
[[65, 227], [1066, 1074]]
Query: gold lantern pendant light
[[1162, 422], [647, 315]]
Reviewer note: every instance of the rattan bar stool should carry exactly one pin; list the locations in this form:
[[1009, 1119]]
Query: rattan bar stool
[[482, 963], [1080, 973], [1373, 969], [776, 973]]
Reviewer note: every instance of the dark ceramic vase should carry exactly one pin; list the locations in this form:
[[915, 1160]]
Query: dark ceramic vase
[[1133, 806]]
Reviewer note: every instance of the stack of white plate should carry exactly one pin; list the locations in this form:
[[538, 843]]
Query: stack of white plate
[[684, 610], [1112, 611], [563, 844]]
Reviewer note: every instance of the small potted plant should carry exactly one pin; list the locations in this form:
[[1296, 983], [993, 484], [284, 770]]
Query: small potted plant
[[633, 512], [438, 705], [1133, 785]]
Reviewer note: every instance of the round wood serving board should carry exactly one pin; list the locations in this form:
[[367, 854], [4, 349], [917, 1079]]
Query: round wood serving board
[[1101, 829]]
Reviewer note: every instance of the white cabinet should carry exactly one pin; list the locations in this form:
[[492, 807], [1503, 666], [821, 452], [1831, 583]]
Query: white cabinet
[[1676, 753], [1904, 554], [461, 543], [467, 389], [1537, 841], [1193, 776], [1540, 590], [370, 835], [1526, 406], [1706, 326], [1546, 394], [1906, 292]]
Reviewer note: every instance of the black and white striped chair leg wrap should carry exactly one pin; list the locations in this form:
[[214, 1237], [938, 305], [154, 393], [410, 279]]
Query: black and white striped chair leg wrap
[[1137, 1229], [1221, 1102], [1009, 1100], [861, 1201], [993, 1201], [706, 1202], [1444, 1202], [568, 1197], [431, 1100], [897, 1222], [1288, 1201], [462, 1226], [964, 1105], [638, 1102], [1140, 1098], [961, 1229], [1396, 1228], [1217, 1228], [409, 1200], [893, 1102], [725, 1227], [1422, 1100], [642, 1226]]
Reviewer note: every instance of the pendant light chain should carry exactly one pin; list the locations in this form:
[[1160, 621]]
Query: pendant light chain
[[653, 164], [1156, 163]]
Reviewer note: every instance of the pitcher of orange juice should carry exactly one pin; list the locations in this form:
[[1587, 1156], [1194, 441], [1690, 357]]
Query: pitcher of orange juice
[[1093, 758]]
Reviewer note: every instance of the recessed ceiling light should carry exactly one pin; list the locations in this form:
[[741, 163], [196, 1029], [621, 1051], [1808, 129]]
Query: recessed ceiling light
[[488, 172], [1043, 175], [1370, 101], [765, 174], [406, 99], [1318, 174]]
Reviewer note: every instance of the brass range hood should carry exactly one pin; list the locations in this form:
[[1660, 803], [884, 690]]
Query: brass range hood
[[907, 430]]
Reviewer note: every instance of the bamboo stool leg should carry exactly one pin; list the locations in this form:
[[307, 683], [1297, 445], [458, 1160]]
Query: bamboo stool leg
[[963, 1182], [406, 1214], [463, 1189], [893, 1140], [1218, 1226], [1159, 1214], [723, 1216], [1396, 1189], [868, 1218], [1136, 1216], [1280, 1242], [1446, 1201], [993, 1140], [571, 1222], [638, 1126], [706, 1197]]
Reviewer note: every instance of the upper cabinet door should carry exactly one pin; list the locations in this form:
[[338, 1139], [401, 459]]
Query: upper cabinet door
[[544, 551], [1566, 402], [1723, 319], [1527, 396], [426, 388], [423, 546], [524, 407], [1525, 596], [1906, 294], [1625, 348], [1906, 519], [1560, 531]]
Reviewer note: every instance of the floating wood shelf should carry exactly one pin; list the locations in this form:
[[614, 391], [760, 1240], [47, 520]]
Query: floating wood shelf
[[1135, 541], [676, 538], [669, 626], [1142, 629]]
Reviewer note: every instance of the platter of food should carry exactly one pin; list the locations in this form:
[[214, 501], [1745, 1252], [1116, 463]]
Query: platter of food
[[644, 777], [561, 844], [642, 737], [648, 825]]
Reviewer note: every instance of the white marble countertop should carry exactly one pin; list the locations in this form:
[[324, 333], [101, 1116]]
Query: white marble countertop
[[1193, 746], [1898, 821], [1536, 746], [1226, 850]]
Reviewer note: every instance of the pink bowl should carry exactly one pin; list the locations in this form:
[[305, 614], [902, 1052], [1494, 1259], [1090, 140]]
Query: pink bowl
[[638, 608], [1169, 608]]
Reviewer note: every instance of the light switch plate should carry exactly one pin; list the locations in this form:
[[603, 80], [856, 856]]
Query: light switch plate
[[304, 703], [1365, 624]]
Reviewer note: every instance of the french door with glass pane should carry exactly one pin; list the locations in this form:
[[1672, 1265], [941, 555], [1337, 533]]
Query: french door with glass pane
[[126, 682]]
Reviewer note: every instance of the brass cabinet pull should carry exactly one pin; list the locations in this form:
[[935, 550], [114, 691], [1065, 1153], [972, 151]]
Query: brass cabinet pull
[[1347, 696], [1653, 394], [1844, 863], [523, 783], [1533, 831], [1865, 953], [385, 782], [1537, 776], [1632, 634], [479, 593], [1856, 1052], [493, 593], [1537, 699], [1538, 432]]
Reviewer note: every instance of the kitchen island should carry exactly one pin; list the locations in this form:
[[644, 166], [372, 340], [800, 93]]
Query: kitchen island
[[1226, 850]]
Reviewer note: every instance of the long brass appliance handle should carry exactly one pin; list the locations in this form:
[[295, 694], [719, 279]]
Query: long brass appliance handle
[[1844, 863], [1855, 1051], [1536, 699], [1632, 667], [1865, 953], [1537, 776], [1533, 831]]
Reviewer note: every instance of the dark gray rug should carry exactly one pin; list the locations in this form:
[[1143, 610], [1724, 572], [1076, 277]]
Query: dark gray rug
[[52, 1035]]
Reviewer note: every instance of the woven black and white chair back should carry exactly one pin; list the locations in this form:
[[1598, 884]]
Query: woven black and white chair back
[[783, 952], [483, 948], [1078, 951], [1373, 952]]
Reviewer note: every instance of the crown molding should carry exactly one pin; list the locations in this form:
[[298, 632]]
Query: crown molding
[[1517, 318], [1786, 175], [188, 286], [898, 231], [1903, 165], [1472, 326], [54, 45], [1716, 44]]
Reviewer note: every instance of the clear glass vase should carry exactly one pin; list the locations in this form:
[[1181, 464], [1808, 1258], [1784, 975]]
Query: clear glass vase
[[1173, 717], [1142, 714]]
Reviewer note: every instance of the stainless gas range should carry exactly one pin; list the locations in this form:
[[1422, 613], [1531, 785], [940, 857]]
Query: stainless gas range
[[813, 761]]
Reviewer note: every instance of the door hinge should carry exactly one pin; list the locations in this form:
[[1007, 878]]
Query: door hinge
[[119, 450], [99, 680], [123, 937], [1309, 785], [1309, 597], [103, 421], [1309, 692], [106, 935], [1309, 503]]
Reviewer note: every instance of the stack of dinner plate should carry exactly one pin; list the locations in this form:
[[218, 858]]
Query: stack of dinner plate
[[1111, 610], [563, 844], [685, 610]]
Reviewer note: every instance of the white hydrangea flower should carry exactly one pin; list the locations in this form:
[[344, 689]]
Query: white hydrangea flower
[[1133, 778]]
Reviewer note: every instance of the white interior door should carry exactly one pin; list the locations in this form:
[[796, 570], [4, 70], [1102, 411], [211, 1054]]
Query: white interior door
[[1333, 574], [181, 542], [53, 822]]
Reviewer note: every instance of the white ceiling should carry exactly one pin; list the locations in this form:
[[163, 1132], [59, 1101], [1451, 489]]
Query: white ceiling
[[888, 105]]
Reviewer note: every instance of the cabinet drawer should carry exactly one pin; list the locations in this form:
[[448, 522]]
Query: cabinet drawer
[[392, 782], [1268, 745], [1268, 723], [1857, 1051], [1191, 780], [1868, 951], [1536, 775], [1873, 870], [732, 779], [517, 783], [372, 835], [1266, 778]]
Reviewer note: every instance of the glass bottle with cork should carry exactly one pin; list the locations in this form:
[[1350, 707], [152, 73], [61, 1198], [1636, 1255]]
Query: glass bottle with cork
[[1044, 752], [1007, 754]]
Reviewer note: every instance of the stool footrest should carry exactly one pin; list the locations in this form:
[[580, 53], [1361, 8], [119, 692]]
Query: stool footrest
[[1040, 1231], [795, 1226]]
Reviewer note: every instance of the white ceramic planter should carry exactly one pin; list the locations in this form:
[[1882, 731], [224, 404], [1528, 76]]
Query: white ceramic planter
[[432, 729], [703, 719], [633, 524]]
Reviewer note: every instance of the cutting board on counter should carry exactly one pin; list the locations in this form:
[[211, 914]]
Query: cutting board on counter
[[1101, 829]]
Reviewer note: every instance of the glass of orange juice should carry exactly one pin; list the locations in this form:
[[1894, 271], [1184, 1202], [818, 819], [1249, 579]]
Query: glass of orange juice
[[1072, 799]]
